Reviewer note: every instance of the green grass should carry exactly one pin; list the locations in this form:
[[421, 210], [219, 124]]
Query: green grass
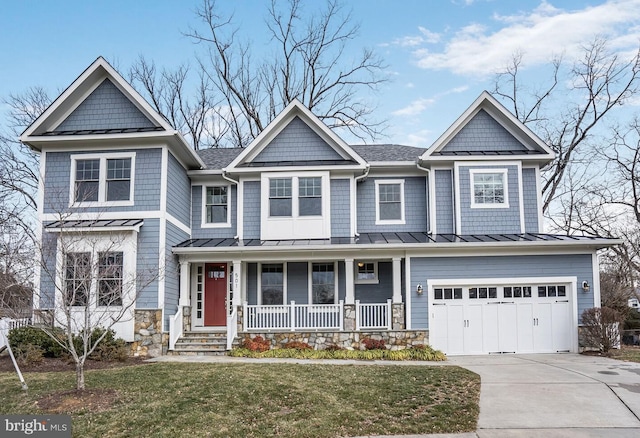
[[259, 400]]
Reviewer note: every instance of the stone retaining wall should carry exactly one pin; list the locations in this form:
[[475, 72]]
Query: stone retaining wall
[[350, 340]]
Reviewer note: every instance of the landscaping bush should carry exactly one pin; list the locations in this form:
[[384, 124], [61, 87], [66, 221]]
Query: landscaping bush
[[25, 338], [257, 344], [601, 328], [373, 344], [421, 353], [29, 354], [109, 349], [297, 345], [333, 347]]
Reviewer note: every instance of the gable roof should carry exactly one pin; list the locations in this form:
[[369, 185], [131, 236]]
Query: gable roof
[[84, 112], [512, 138], [294, 111]]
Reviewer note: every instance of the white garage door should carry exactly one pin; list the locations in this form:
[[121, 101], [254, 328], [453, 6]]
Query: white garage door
[[515, 318]]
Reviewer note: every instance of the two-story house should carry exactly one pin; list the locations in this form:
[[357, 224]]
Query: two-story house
[[301, 236]]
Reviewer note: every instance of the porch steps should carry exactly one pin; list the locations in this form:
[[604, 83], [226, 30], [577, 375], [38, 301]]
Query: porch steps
[[202, 344]]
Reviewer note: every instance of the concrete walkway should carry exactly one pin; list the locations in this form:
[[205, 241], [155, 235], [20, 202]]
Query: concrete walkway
[[538, 395]]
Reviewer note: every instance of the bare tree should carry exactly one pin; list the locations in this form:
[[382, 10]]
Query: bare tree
[[587, 94], [305, 61]]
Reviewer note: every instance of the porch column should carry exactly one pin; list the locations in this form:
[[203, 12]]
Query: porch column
[[397, 280], [349, 296], [237, 283], [185, 293]]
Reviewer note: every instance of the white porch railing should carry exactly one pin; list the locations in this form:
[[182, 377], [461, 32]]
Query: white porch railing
[[376, 316], [232, 327], [294, 317], [175, 328]]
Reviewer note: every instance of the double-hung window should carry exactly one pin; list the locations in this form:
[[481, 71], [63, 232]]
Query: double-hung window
[[77, 278], [216, 206], [110, 278], [323, 283], [272, 284], [389, 202], [280, 204], [310, 196], [102, 179], [489, 188]]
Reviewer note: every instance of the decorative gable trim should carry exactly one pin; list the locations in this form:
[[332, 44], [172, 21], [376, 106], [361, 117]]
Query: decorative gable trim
[[537, 150], [293, 110]]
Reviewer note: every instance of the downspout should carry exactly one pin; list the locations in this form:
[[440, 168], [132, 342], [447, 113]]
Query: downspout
[[355, 210], [237, 183], [428, 199]]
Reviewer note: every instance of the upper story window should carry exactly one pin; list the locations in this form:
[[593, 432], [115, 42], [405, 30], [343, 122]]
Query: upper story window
[[102, 179], [489, 188], [389, 202], [295, 205], [280, 201], [216, 202]]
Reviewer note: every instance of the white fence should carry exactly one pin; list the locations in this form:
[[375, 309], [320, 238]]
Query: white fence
[[175, 328], [232, 327], [375, 316], [294, 317], [7, 324]]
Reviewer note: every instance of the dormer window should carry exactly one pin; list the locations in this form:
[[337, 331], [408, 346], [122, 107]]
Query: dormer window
[[102, 179], [216, 202], [310, 196], [389, 202], [280, 197]]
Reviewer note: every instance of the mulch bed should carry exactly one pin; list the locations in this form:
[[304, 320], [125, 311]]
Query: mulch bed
[[69, 402], [63, 364]]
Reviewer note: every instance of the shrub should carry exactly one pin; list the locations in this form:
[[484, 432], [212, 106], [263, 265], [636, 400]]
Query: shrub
[[257, 344], [20, 338], [423, 353], [28, 354], [109, 349], [333, 347], [373, 344], [601, 328], [297, 345]]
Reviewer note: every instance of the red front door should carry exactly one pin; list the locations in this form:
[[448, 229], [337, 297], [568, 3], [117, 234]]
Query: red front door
[[215, 294]]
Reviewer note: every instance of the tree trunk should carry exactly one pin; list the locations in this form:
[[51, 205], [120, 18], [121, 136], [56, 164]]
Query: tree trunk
[[80, 375]]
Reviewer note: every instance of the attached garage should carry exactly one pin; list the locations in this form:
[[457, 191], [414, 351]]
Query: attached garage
[[493, 316]]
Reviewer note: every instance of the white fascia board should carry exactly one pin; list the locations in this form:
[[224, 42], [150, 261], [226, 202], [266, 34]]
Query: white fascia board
[[288, 169], [422, 249]]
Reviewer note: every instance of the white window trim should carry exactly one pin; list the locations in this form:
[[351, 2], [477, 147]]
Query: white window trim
[[284, 283], [203, 221], [102, 182], [374, 280], [380, 182], [310, 282], [505, 183]]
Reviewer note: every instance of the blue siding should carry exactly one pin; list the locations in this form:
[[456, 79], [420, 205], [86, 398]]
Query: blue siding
[[483, 133], [48, 270], [146, 182], [252, 283], [380, 292], [178, 191], [252, 210], [105, 108], [444, 201], [415, 207], [147, 263], [298, 282], [489, 220], [174, 235], [340, 208], [297, 142], [197, 231], [424, 269], [530, 200]]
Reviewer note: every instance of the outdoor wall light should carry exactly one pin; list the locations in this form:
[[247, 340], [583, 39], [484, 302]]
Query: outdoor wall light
[[419, 289], [585, 286]]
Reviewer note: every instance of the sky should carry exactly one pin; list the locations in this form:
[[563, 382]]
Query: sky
[[441, 54]]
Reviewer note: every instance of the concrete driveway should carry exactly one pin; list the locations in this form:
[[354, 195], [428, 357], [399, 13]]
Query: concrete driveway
[[560, 395]]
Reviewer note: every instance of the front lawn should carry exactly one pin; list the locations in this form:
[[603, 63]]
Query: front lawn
[[254, 400], [626, 352]]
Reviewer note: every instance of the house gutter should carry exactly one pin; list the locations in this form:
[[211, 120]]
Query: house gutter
[[367, 168]]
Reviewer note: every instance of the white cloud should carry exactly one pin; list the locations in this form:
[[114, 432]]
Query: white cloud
[[475, 49], [414, 108], [425, 37]]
